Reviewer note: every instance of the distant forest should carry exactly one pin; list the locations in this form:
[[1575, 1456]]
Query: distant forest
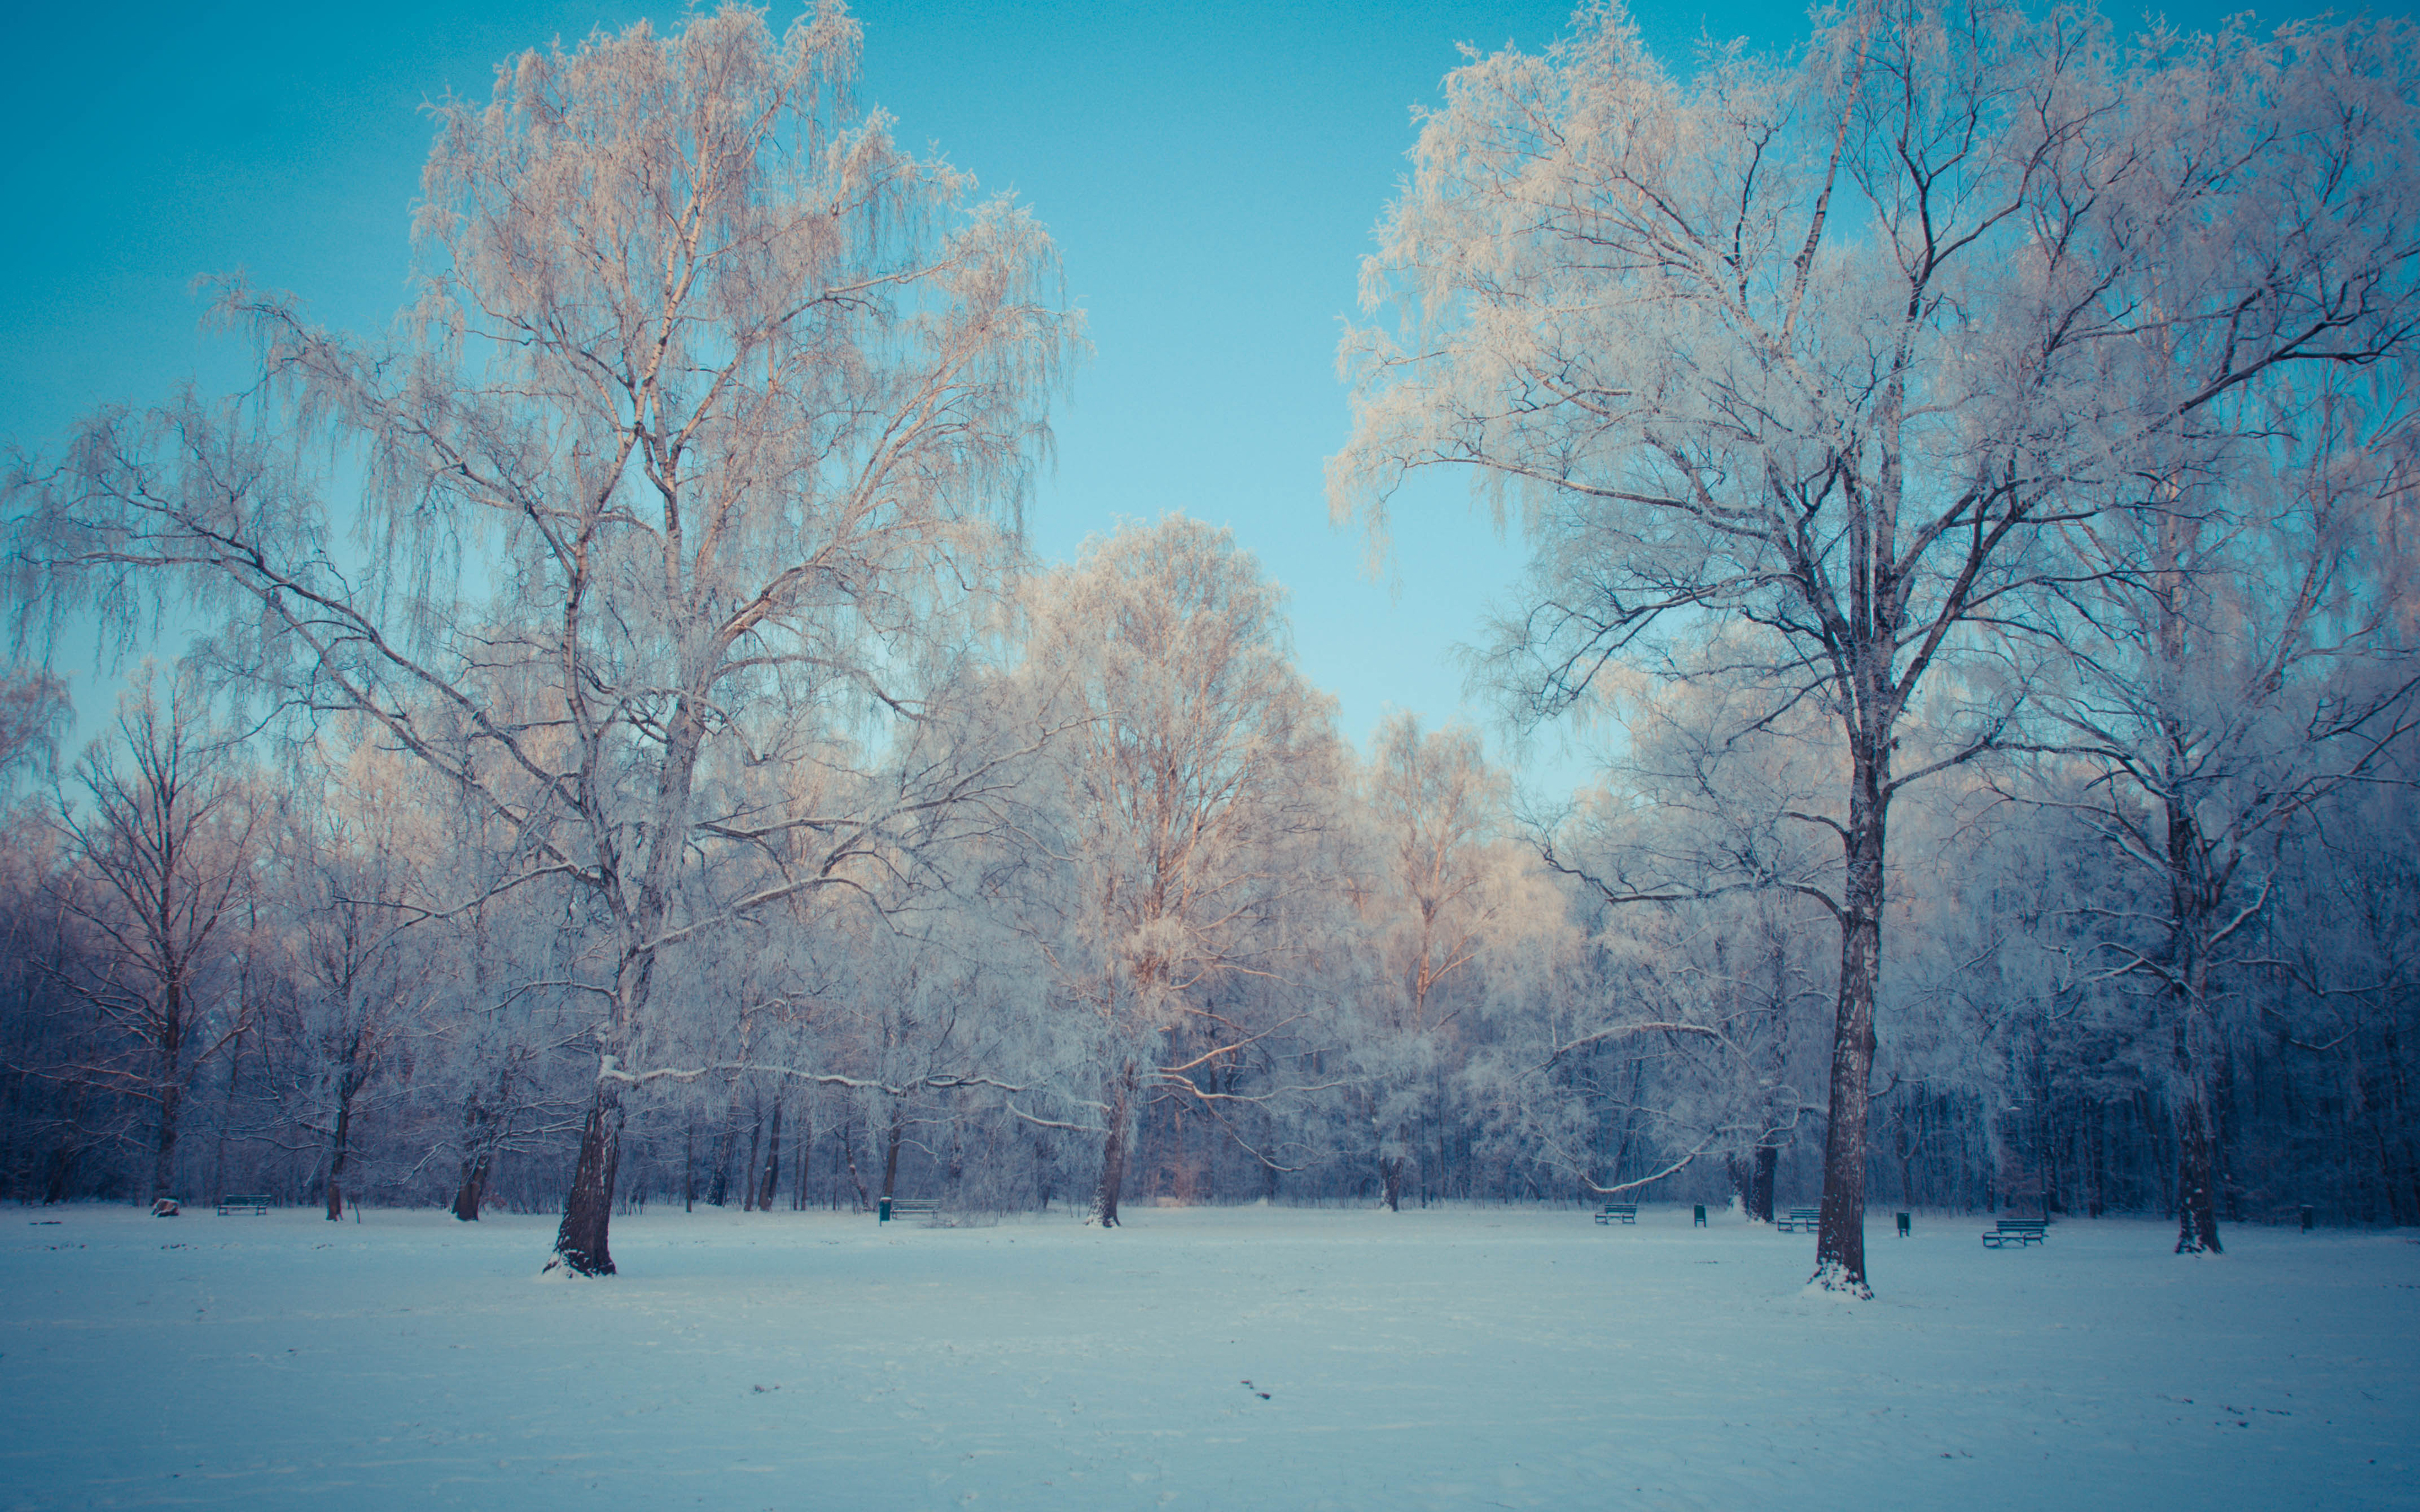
[[630, 755]]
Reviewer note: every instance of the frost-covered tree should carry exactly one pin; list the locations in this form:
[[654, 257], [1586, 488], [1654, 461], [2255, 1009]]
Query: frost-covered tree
[[1449, 876], [712, 400], [1827, 352], [161, 832], [33, 710], [1702, 897], [1197, 791], [2241, 657], [353, 844]]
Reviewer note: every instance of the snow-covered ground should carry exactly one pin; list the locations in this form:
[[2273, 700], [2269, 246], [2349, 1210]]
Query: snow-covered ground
[[1227, 1358]]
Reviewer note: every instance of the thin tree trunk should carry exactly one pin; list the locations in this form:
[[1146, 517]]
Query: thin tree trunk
[[2190, 903], [848, 1158], [806, 1157], [339, 1147], [749, 1173], [1905, 1146], [226, 1116], [1760, 1189], [772, 1182], [483, 1128], [726, 1144], [163, 1158], [1391, 1169], [1629, 1119], [172, 1099], [891, 1147]]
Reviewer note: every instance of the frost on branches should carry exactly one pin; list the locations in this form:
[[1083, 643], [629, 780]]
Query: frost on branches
[[1815, 367], [708, 410]]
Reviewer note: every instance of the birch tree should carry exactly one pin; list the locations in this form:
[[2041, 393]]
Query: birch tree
[[1825, 349], [713, 397]]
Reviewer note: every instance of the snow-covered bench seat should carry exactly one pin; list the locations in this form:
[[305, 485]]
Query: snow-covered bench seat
[[1619, 1212], [2018, 1231]]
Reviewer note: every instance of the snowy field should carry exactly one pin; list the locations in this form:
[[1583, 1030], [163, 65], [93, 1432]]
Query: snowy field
[[1221, 1358]]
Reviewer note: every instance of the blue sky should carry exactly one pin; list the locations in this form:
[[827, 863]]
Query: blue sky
[[1211, 174]]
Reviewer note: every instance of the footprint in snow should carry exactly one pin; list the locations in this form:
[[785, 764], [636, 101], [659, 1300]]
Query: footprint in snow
[[1256, 1391]]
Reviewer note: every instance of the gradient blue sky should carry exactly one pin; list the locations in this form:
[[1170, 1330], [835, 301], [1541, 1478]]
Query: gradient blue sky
[[1211, 172]]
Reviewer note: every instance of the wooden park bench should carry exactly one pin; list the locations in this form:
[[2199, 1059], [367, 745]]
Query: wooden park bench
[[904, 1207], [1798, 1218], [2019, 1231], [245, 1204], [1619, 1212]]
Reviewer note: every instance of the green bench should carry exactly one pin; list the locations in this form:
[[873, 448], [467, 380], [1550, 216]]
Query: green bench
[[2018, 1231], [906, 1206], [1800, 1218], [1619, 1212], [243, 1204]]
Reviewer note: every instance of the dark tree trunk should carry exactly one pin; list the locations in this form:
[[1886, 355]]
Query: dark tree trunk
[[1904, 1143], [227, 1115], [163, 1158], [580, 1244], [588, 1212], [339, 1149], [2096, 1201], [747, 1172], [55, 1172], [1841, 1239], [484, 1124], [1759, 1183], [1392, 1169], [726, 1144], [772, 1182], [848, 1158], [891, 1147], [2197, 1173], [2191, 906], [806, 1158], [471, 1194], [1113, 1152], [172, 1095]]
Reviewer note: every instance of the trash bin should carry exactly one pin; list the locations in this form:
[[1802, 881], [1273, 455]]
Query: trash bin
[[882, 1209], [1701, 1215], [2309, 1217], [1902, 1226]]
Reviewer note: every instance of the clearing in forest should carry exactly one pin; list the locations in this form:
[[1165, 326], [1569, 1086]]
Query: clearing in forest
[[1460, 1357]]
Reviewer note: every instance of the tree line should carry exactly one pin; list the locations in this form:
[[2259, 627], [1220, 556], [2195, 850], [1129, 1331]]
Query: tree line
[[630, 756]]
